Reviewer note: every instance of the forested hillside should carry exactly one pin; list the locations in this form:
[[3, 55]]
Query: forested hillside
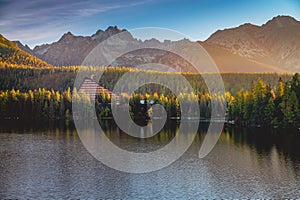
[[60, 78], [25, 78], [12, 55]]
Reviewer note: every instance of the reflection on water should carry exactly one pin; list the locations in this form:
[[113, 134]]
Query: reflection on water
[[52, 163]]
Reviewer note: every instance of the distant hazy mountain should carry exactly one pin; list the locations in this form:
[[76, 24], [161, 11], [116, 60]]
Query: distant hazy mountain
[[272, 47], [276, 43], [11, 54]]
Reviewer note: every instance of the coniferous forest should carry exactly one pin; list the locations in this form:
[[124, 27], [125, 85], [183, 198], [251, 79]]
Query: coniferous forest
[[268, 99]]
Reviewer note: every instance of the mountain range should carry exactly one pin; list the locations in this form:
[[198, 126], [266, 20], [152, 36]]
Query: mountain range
[[271, 47]]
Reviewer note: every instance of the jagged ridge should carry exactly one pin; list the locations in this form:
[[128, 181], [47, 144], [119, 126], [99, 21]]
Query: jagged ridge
[[272, 47]]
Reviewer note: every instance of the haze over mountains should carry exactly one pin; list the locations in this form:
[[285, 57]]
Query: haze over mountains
[[272, 47], [276, 43]]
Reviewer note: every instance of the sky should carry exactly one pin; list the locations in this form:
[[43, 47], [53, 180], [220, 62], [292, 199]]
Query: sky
[[35, 22]]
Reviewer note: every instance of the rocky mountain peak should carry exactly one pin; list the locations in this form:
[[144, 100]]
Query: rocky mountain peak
[[282, 21], [113, 29], [24, 47], [69, 33], [67, 36], [248, 27], [274, 43], [101, 35], [99, 32]]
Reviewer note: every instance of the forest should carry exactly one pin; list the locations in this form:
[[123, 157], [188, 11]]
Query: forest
[[45, 93], [26, 78], [265, 106]]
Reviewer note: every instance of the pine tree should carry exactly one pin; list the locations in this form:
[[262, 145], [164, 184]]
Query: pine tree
[[280, 89], [269, 113], [259, 101], [289, 107]]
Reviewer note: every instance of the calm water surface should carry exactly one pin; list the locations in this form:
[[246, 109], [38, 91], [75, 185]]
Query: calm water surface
[[52, 163]]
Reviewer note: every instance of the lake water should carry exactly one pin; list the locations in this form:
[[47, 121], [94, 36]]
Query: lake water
[[53, 163]]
